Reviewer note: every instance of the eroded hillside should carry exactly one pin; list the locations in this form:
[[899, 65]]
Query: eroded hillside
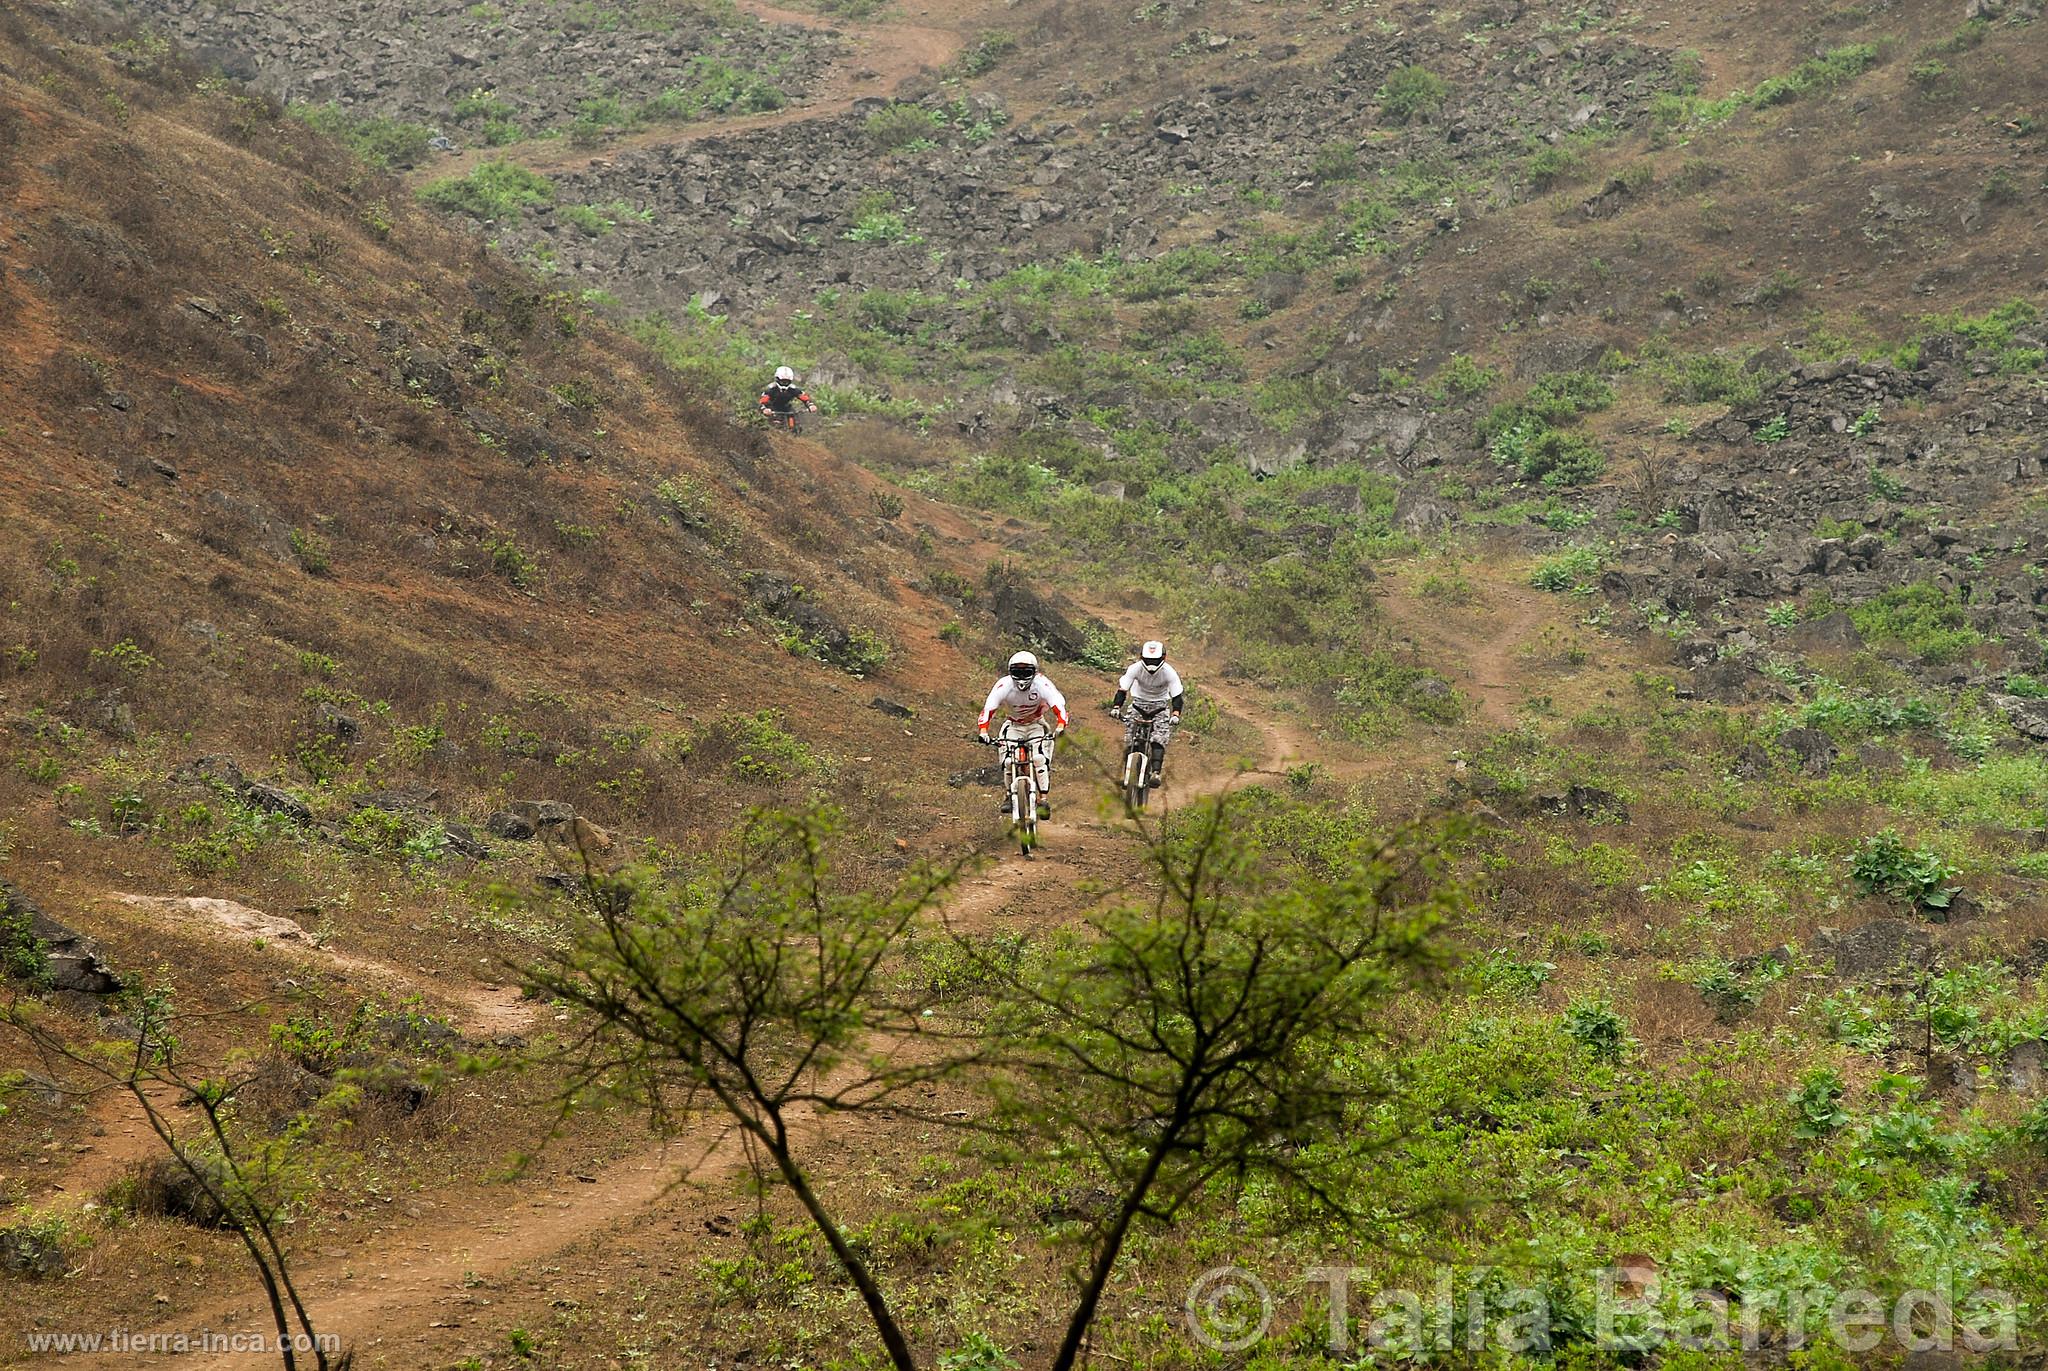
[[1619, 427]]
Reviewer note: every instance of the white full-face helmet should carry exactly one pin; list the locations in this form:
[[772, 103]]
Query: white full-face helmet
[[1023, 668], [1152, 655], [785, 374]]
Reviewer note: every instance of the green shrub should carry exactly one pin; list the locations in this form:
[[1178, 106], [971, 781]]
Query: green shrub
[[1818, 1103], [981, 59], [1570, 569], [494, 190], [509, 560], [387, 144], [752, 747], [899, 126], [1412, 91], [1593, 1024], [712, 87], [1335, 161], [1921, 618], [1883, 864]]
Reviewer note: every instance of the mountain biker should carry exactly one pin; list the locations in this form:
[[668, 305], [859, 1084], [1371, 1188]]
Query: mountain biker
[[1156, 696], [1024, 697], [783, 395]]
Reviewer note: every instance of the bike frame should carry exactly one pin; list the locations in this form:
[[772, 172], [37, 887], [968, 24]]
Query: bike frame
[[1020, 782]]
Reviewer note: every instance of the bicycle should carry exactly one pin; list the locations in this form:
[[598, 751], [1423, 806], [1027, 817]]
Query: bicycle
[[1020, 783], [786, 419], [1142, 757]]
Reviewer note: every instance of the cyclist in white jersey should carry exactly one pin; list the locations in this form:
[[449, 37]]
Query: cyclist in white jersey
[[1155, 696], [1032, 711]]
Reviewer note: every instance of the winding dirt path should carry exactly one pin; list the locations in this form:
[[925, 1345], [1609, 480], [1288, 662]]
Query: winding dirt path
[[384, 1299], [876, 62], [1478, 646], [391, 1299]]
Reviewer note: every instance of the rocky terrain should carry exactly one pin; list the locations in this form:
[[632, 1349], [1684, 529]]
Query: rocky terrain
[[1614, 433], [486, 74]]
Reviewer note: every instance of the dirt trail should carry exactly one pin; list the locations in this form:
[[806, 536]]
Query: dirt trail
[[1478, 646], [377, 1297], [877, 60], [384, 1299]]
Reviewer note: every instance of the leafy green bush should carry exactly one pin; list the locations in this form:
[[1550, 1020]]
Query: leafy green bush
[[1557, 458], [1818, 1103], [511, 561], [1412, 91], [1921, 618], [1569, 569], [1883, 864], [1594, 1025], [752, 747], [898, 126], [713, 87], [386, 144], [494, 190], [981, 59]]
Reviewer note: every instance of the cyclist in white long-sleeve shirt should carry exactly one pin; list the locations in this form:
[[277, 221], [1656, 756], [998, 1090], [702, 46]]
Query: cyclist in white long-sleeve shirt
[[1155, 697], [1033, 711]]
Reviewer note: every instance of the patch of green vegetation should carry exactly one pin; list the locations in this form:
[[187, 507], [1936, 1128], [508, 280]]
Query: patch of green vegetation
[[877, 220], [987, 51], [1411, 92], [711, 87], [387, 144], [752, 747], [1524, 435], [1922, 618], [493, 118], [898, 126], [1883, 864], [494, 190], [1573, 569]]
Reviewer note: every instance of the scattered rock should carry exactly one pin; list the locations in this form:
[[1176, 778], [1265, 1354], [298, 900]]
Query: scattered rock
[[1878, 949], [278, 801], [891, 708], [1833, 632], [61, 958], [540, 814], [992, 774], [2026, 1068], [2028, 716], [1814, 749], [1585, 802], [464, 842], [411, 799], [214, 771], [26, 1252], [341, 727], [514, 827], [1025, 616]]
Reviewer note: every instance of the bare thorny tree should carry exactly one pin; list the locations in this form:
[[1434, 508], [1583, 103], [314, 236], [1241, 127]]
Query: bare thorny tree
[[248, 1184], [1232, 1023]]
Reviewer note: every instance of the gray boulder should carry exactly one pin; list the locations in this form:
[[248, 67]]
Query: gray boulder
[[1878, 949], [1026, 616], [2028, 716], [1814, 749], [34, 944], [508, 825], [278, 801]]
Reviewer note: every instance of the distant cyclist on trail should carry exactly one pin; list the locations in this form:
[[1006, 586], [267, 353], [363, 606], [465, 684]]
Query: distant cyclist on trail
[[1156, 696], [783, 395], [1025, 698]]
